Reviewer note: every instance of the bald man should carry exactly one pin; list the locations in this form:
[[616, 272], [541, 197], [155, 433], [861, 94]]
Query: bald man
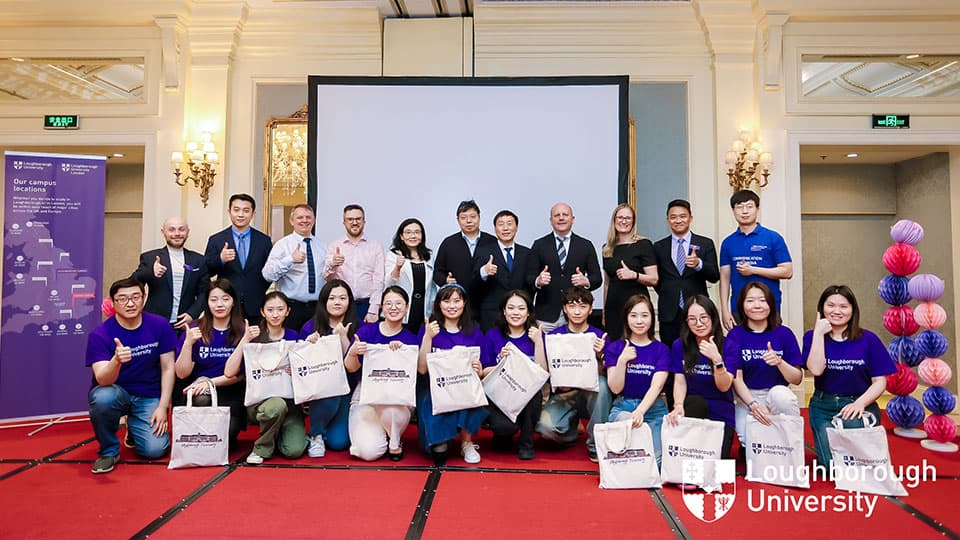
[[176, 278]]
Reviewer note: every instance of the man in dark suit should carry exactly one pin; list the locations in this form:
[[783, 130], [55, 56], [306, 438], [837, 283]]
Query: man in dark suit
[[454, 262], [560, 260], [499, 268], [685, 263], [238, 253], [176, 278]]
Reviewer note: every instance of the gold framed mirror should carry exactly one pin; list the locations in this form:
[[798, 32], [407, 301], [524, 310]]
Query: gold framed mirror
[[284, 170]]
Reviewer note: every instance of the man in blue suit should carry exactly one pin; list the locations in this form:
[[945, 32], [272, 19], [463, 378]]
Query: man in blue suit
[[499, 268], [238, 253]]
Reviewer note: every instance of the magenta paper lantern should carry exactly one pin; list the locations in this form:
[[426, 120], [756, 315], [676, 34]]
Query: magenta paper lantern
[[903, 381], [900, 321], [934, 371], [930, 315], [906, 231], [106, 308], [925, 287], [940, 428], [901, 259]]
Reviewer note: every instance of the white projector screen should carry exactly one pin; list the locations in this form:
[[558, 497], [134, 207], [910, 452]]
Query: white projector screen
[[416, 147]]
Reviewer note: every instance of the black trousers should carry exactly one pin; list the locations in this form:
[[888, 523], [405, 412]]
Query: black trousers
[[526, 422]]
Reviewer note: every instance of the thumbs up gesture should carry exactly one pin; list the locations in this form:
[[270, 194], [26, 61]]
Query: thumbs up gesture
[[628, 354], [227, 254], [450, 278], [709, 349], [338, 257], [822, 327], [298, 255], [158, 269], [771, 357], [400, 260], [490, 268], [626, 273], [250, 333], [122, 353], [191, 337], [543, 278], [358, 347], [579, 280]]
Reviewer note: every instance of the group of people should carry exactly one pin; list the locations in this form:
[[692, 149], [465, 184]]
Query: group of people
[[182, 320]]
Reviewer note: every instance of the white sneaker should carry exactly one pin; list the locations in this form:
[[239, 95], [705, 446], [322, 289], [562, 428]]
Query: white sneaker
[[317, 448], [469, 452], [254, 459]]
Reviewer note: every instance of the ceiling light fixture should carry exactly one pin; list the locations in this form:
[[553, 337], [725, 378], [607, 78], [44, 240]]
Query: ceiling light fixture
[[853, 155]]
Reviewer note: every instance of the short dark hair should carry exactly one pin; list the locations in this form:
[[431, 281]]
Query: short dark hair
[[467, 205], [507, 213], [242, 197], [742, 196], [123, 284], [574, 295], [353, 206], [682, 203]]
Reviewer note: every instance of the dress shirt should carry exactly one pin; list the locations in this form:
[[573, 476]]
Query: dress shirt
[[362, 268], [239, 237], [471, 244], [686, 246], [292, 278], [176, 275]]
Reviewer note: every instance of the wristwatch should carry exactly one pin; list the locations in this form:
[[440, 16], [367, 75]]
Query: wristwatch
[[718, 365]]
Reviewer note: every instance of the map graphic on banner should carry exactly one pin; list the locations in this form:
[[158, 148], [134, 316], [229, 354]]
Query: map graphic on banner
[[52, 267]]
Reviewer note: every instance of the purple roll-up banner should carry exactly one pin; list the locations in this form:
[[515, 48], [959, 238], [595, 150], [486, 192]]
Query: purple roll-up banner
[[52, 274]]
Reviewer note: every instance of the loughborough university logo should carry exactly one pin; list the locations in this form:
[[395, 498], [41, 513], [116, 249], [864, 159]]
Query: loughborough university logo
[[709, 487]]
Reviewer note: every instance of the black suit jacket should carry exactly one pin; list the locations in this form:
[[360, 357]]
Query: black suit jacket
[[248, 280], [193, 293], [691, 282], [494, 289], [453, 256], [580, 254]]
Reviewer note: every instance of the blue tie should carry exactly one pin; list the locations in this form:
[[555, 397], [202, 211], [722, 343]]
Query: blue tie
[[509, 258], [242, 249], [311, 270], [562, 252], [680, 259]]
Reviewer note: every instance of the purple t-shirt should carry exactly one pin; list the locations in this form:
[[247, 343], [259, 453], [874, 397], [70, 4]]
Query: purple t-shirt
[[448, 340], [371, 334], [651, 358], [497, 341], [750, 346], [850, 364], [141, 375], [209, 359], [700, 382], [311, 325], [565, 329]]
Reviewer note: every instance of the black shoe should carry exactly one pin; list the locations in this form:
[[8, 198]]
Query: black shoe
[[439, 454], [525, 453], [104, 464], [502, 443], [395, 457], [593, 456]]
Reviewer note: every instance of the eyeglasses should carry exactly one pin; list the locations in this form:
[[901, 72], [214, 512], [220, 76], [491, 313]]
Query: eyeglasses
[[624, 218], [415, 232], [353, 219], [745, 206], [703, 319], [124, 299], [391, 305]]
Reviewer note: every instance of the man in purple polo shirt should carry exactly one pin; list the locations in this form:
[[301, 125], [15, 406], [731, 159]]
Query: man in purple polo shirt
[[750, 253], [131, 355]]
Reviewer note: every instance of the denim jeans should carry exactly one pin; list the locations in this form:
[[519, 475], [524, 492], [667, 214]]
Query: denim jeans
[[560, 418], [622, 409], [823, 407], [108, 404], [330, 417]]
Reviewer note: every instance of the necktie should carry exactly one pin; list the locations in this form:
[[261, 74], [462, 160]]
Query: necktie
[[509, 258], [242, 249], [562, 251], [311, 269], [680, 259]]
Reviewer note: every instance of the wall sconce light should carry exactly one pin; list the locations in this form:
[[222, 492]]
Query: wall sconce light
[[747, 163], [201, 158]]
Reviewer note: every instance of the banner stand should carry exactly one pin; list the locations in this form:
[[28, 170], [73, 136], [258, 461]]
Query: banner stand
[[48, 421]]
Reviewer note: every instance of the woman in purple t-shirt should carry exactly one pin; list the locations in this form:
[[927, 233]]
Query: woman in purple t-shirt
[[204, 352], [637, 367], [703, 386], [849, 365], [769, 359], [516, 324]]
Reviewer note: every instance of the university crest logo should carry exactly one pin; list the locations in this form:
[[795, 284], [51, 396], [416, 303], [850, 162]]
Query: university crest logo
[[709, 487]]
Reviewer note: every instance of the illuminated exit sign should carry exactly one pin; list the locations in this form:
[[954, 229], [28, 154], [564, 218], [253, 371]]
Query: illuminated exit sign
[[888, 121], [61, 121]]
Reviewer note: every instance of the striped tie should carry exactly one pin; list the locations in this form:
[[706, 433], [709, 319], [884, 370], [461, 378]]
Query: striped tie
[[562, 251], [680, 259]]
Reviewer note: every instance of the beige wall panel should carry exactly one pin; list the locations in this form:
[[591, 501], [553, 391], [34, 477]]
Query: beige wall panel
[[423, 47], [847, 189]]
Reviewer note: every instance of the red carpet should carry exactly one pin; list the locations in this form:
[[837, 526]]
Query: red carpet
[[937, 500], [15, 444], [302, 503]]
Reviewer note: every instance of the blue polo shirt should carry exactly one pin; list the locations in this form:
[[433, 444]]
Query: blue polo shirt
[[763, 248]]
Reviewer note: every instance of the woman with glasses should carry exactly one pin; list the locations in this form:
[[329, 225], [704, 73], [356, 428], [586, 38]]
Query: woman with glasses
[[407, 265], [629, 267], [703, 381]]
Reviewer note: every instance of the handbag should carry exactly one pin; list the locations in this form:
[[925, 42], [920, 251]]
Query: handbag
[[199, 434], [691, 438], [626, 455], [572, 361], [775, 452], [454, 385], [514, 382], [318, 370], [267, 371], [389, 377], [861, 458]]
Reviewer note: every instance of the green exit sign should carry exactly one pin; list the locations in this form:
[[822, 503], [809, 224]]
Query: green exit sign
[[61, 121], [887, 121]]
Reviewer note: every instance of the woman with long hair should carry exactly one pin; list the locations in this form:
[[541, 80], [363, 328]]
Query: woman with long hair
[[849, 365], [629, 267], [407, 265]]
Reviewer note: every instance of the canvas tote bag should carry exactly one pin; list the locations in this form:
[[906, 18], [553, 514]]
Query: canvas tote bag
[[862, 458], [318, 370], [389, 377], [775, 452], [626, 454], [514, 382], [454, 385], [199, 434], [267, 372], [572, 361], [691, 438]]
